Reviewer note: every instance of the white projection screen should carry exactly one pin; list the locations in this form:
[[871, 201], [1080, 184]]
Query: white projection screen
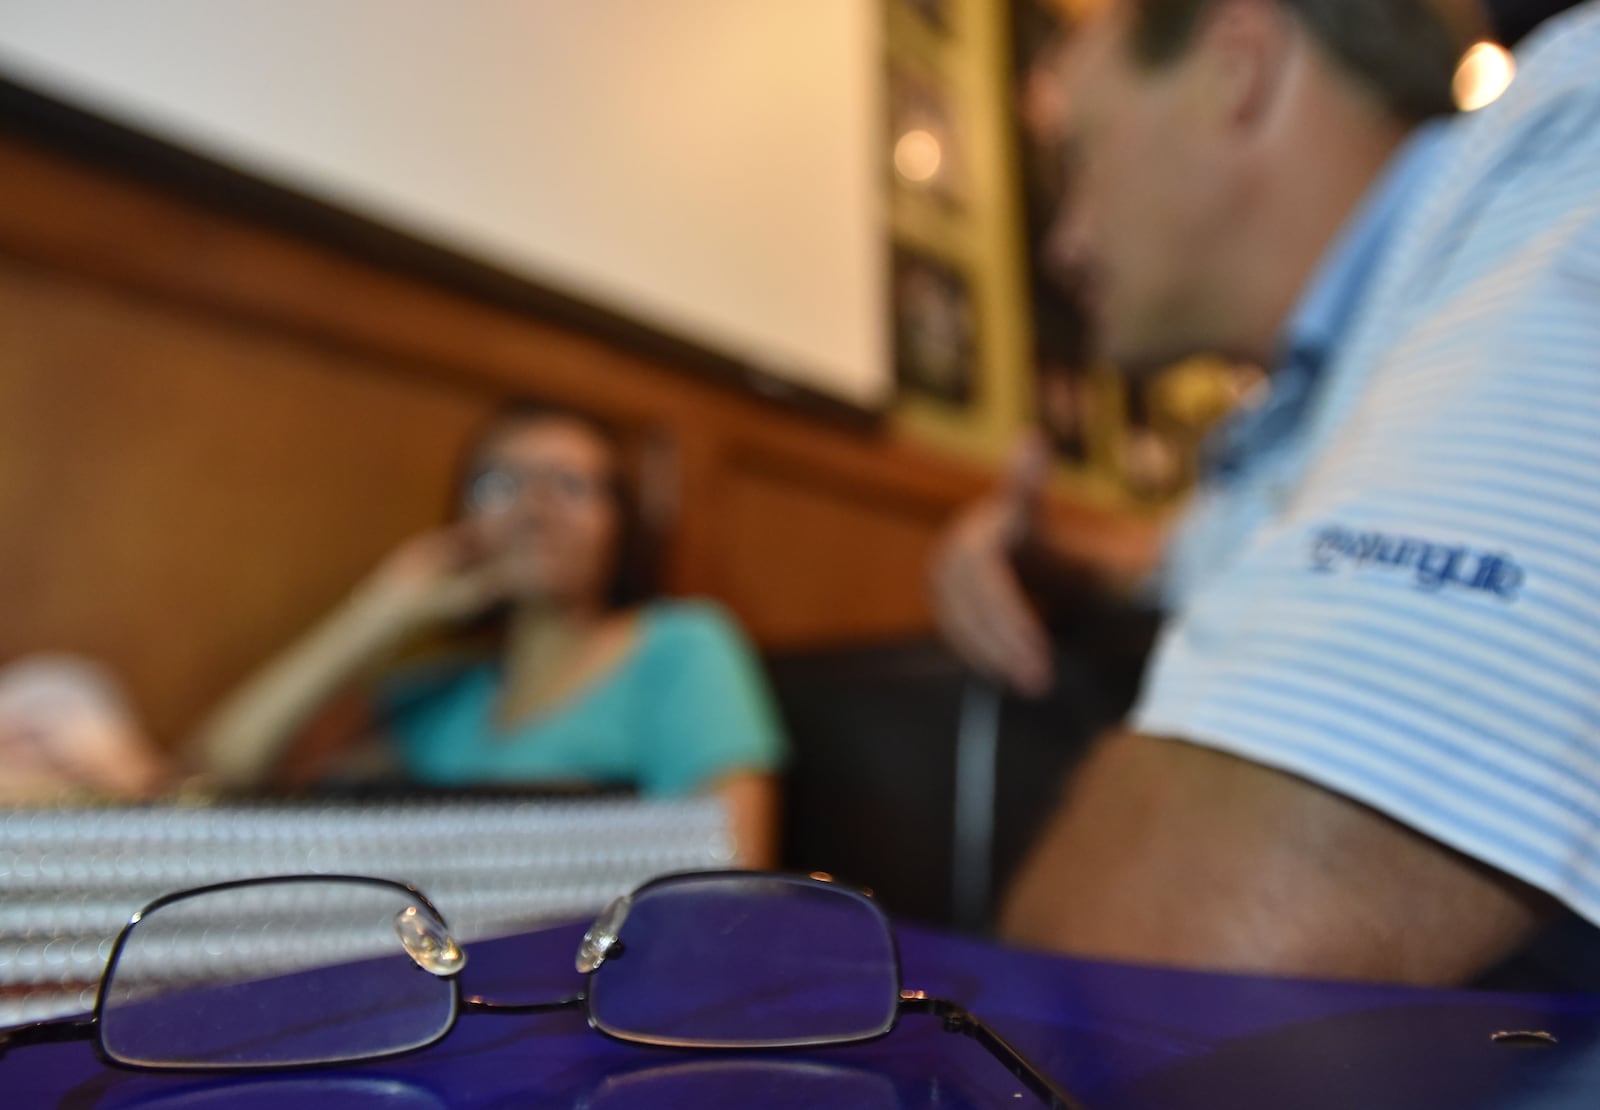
[[710, 169]]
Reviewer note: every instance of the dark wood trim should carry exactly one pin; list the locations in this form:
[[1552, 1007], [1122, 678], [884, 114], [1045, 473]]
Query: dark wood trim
[[215, 185]]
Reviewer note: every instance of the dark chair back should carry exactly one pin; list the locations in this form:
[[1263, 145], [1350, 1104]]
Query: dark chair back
[[872, 792]]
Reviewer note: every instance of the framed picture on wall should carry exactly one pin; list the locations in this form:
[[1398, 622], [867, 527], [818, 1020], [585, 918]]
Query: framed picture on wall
[[1074, 404], [1067, 410], [935, 327], [926, 154]]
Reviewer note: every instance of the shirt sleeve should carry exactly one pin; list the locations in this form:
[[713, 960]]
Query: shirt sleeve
[[711, 712], [1420, 630]]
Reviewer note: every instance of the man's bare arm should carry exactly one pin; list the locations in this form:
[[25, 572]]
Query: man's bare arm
[[1167, 852]]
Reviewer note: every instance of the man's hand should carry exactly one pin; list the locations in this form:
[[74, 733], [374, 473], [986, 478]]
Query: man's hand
[[982, 609]]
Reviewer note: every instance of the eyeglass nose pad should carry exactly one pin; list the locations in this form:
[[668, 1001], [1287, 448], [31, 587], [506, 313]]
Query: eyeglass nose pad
[[430, 947], [601, 939]]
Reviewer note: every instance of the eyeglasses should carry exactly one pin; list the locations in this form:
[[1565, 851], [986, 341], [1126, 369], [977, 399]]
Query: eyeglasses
[[308, 970], [494, 488]]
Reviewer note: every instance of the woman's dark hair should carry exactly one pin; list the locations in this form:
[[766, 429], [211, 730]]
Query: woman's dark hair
[[635, 571]]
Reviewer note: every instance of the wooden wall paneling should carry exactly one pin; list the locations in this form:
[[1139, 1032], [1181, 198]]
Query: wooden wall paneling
[[210, 429], [133, 236], [184, 495], [813, 558]]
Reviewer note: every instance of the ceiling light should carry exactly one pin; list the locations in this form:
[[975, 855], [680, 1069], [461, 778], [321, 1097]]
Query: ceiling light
[[1485, 72]]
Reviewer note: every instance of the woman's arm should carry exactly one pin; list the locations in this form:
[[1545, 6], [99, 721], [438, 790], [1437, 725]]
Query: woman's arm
[[245, 736], [426, 580]]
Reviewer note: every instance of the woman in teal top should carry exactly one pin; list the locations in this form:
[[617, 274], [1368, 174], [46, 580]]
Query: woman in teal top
[[587, 683], [679, 710]]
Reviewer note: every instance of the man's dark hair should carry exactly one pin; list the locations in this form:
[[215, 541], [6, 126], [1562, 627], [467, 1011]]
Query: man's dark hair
[[1403, 52]]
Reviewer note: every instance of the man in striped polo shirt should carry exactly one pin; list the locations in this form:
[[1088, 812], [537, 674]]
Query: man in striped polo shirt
[[1367, 745]]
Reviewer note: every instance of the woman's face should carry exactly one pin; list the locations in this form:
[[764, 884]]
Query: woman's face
[[542, 496]]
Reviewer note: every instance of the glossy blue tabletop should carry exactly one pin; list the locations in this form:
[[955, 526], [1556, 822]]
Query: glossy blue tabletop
[[1117, 1036]]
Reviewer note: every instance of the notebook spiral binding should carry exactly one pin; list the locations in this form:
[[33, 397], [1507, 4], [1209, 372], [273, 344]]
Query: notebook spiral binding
[[71, 878]]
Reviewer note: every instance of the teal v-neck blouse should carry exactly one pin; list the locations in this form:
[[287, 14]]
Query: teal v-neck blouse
[[686, 705]]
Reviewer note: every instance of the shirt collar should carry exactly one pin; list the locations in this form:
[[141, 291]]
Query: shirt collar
[[1334, 293]]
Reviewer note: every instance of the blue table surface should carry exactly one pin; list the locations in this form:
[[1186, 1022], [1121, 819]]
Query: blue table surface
[[1118, 1036]]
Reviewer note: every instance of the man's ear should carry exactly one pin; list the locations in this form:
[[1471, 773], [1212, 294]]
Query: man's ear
[[1242, 50]]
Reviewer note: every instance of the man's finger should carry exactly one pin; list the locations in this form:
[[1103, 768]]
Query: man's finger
[[990, 652], [1027, 470], [964, 632], [1010, 620], [992, 626]]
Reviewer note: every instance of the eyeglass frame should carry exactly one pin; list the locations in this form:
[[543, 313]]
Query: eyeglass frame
[[955, 1018], [572, 487]]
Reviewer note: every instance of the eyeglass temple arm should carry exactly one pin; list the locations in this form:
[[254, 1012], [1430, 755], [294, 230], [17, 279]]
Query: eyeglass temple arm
[[957, 1019], [46, 1032]]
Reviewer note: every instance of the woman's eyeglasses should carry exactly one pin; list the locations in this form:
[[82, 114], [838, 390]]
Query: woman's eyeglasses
[[308, 970], [496, 488]]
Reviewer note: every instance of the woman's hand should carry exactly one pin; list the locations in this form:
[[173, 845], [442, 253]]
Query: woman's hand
[[445, 575]]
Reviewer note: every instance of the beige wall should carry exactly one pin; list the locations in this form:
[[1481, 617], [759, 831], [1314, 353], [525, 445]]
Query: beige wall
[[707, 167]]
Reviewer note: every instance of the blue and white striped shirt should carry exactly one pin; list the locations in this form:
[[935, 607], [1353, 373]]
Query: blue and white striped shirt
[[1256, 456], [1419, 627]]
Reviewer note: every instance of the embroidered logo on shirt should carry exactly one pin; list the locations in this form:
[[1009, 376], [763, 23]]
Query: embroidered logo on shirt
[[1433, 566]]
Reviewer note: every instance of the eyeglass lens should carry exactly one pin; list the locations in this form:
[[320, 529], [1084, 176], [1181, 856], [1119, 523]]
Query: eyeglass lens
[[747, 961], [496, 487], [279, 974]]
